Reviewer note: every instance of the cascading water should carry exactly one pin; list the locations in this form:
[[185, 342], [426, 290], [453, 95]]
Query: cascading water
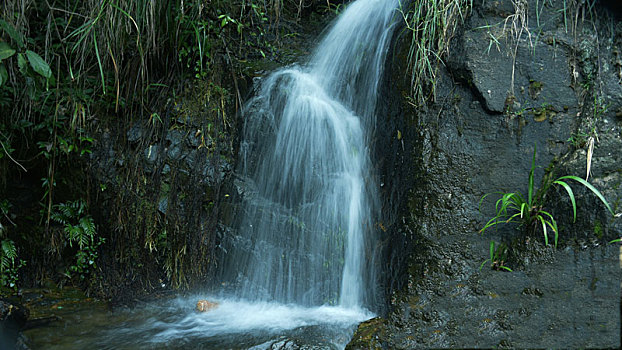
[[306, 229], [301, 266]]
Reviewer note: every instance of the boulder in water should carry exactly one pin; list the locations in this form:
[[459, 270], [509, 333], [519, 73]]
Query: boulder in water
[[205, 306]]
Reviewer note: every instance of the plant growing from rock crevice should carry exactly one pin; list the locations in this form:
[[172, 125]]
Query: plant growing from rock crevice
[[528, 212], [497, 257], [432, 24]]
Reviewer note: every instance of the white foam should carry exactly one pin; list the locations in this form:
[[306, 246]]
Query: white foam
[[241, 316]]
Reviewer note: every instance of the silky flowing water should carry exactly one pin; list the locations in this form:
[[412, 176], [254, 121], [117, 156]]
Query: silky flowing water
[[300, 266], [305, 234]]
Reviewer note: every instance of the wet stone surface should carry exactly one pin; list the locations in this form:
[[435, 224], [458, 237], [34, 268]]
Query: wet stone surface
[[572, 301], [473, 140]]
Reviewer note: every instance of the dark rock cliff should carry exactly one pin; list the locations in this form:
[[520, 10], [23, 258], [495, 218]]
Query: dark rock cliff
[[554, 83]]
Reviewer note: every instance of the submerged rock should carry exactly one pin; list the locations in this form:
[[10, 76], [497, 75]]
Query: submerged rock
[[205, 306]]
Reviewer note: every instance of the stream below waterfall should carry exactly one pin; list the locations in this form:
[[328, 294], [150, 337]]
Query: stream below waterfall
[[175, 324]]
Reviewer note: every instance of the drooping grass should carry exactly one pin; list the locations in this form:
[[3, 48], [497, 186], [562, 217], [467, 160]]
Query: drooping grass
[[519, 25], [432, 24]]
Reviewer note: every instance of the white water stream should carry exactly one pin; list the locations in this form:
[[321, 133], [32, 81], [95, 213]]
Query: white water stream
[[303, 254], [306, 230]]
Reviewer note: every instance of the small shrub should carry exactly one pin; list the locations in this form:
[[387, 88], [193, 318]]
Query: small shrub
[[9, 262]]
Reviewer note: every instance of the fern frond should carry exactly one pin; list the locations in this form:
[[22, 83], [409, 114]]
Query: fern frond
[[8, 254], [8, 249]]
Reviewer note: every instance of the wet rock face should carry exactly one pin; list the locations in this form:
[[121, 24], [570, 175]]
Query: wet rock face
[[12, 315], [478, 137], [537, 306], [160, 186]]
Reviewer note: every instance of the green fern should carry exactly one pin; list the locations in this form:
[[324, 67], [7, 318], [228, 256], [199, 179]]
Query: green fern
[[9, 266], [8, 255], [79, 228], [65, 213]]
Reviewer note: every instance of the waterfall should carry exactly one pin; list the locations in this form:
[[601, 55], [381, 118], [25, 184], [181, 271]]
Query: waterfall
[[306, 230]]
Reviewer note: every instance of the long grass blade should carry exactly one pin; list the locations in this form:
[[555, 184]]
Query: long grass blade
[[484, 197], [484, 263], [492, 222], [531, 176], [99, 63], [546, 237], [571, 195], [513, 216], [590, 152], [552, 224], [591, 188], [522, 210]]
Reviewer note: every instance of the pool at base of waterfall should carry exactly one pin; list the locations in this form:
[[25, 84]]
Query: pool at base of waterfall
[[175, 324]]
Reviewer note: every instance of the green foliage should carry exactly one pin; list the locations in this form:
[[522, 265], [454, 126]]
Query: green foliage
[[72, 69], [578, 139], [9, 265], [9, 262], [79, 229], [528, 212], [497, 257], [432, 24], [26, 60], [8, 254]]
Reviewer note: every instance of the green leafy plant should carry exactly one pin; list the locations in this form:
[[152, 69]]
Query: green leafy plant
[[529, 211], [79, 229], [9, 262], [578, 139], [497, 257], [26, 59]]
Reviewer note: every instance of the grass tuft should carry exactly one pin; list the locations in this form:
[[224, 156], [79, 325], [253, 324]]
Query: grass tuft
[[513, 208], [432, 24]]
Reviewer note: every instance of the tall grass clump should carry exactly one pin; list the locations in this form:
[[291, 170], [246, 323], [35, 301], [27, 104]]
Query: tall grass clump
[[432, 24], [529, 211]]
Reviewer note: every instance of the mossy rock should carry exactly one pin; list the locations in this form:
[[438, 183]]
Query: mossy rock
[[369, 335]]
